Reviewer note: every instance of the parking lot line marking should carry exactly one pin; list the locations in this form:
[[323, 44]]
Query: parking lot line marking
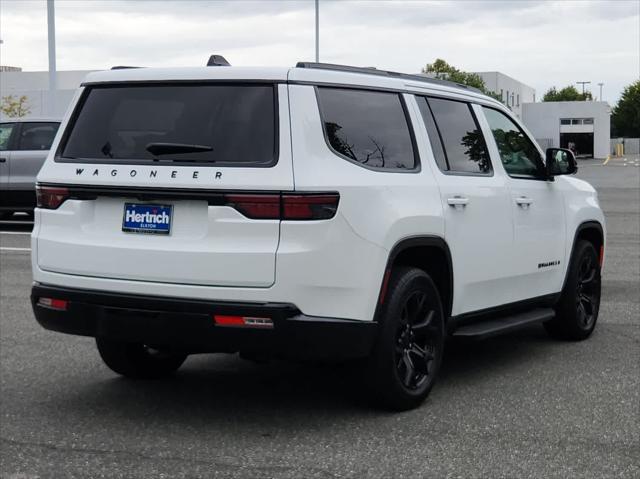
[[15, 233], [11, 248]]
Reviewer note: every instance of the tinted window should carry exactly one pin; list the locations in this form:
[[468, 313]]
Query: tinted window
[[37, 136], [463, 142], [519, 155], [434, 135], [367, 127], [5, 135], [221, 124]]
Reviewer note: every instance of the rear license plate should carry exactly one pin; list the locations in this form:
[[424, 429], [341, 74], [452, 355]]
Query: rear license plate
[[147, 218]]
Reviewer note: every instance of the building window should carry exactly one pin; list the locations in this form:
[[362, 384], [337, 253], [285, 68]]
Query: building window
[[565, 121], [518, 100], [587, 121], [576, 121], [501, 94]]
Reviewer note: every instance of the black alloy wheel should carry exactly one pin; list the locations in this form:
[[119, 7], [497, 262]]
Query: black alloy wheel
[[579, 304], [587, 292], [417, 341], [407, 355]]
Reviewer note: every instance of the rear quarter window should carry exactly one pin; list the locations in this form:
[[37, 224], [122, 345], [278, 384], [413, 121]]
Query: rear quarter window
[[232, 125], [368, 127]]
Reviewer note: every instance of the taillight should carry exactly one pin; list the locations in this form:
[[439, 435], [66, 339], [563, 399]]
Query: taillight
[[321, 206], [287, 206], [256, 206], [51, 197]]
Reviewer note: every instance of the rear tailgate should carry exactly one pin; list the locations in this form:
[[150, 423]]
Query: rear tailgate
[[158, 177]]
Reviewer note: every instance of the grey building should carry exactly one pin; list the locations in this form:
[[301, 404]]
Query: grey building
[[35, 86], [512, 92], [585, 124]]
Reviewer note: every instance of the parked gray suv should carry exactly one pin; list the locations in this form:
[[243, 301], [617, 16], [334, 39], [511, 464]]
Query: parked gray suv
[[24, 145]]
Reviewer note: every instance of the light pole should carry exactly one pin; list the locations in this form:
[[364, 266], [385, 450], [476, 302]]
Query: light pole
[[51, 37], [583, 83], [600, 85], [317, 30]]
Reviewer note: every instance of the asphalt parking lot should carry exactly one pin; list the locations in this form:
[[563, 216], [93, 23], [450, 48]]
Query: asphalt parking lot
[[520, 405]]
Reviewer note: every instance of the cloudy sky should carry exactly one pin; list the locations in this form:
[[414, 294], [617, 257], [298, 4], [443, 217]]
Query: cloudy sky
[[541, 43]]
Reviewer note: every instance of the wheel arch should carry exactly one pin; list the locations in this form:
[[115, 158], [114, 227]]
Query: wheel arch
[[591, 231], [429, 253]]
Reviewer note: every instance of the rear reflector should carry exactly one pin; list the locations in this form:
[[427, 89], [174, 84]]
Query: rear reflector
[[243, 321], [601, 256], [286, 206], [51, 197], [52, 303]]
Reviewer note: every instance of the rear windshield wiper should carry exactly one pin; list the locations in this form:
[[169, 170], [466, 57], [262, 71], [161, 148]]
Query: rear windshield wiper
[[157, 149]]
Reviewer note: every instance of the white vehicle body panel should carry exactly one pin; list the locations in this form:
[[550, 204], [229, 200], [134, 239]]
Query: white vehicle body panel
[[333, 268]]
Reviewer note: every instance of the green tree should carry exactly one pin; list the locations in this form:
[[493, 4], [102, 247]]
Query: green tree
[[568, 93], [625, 116], [442, 70], [15, 107]]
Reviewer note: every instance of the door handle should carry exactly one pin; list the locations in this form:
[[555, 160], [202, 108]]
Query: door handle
[[3, 160], [524, 201], [458, 202]]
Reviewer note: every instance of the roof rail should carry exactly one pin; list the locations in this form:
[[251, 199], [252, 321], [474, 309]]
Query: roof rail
[[122, 67], [387, 73]]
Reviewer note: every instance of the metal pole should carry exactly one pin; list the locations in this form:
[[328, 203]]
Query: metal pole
[[600, 85], [317, 30], [583, 83], [51, 29]]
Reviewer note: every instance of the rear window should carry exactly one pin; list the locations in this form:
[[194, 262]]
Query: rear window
[[367, 127], [234, 125]]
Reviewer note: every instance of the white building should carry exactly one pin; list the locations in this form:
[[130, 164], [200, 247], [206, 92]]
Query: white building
[[35, 86], [586, 124], [512, 92]]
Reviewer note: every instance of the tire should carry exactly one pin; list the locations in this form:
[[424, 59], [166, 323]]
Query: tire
[[138, 361], [408, 352], [578, 307]]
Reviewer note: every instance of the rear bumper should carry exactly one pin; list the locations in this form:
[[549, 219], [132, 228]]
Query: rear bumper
[[188, 324]]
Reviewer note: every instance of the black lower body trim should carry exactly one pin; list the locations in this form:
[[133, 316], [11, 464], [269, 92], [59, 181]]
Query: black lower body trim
[[188, 325], [546, 301]]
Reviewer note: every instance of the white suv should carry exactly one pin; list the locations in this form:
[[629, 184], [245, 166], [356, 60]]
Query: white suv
[[320, 211]]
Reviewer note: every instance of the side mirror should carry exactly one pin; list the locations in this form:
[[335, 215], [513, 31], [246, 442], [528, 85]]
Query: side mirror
[[560, 161]]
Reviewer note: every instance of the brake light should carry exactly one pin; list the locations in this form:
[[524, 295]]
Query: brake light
[[287, 206], [52, 303], [320, 206], [51, 197], [243, 321], [256, 206]]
